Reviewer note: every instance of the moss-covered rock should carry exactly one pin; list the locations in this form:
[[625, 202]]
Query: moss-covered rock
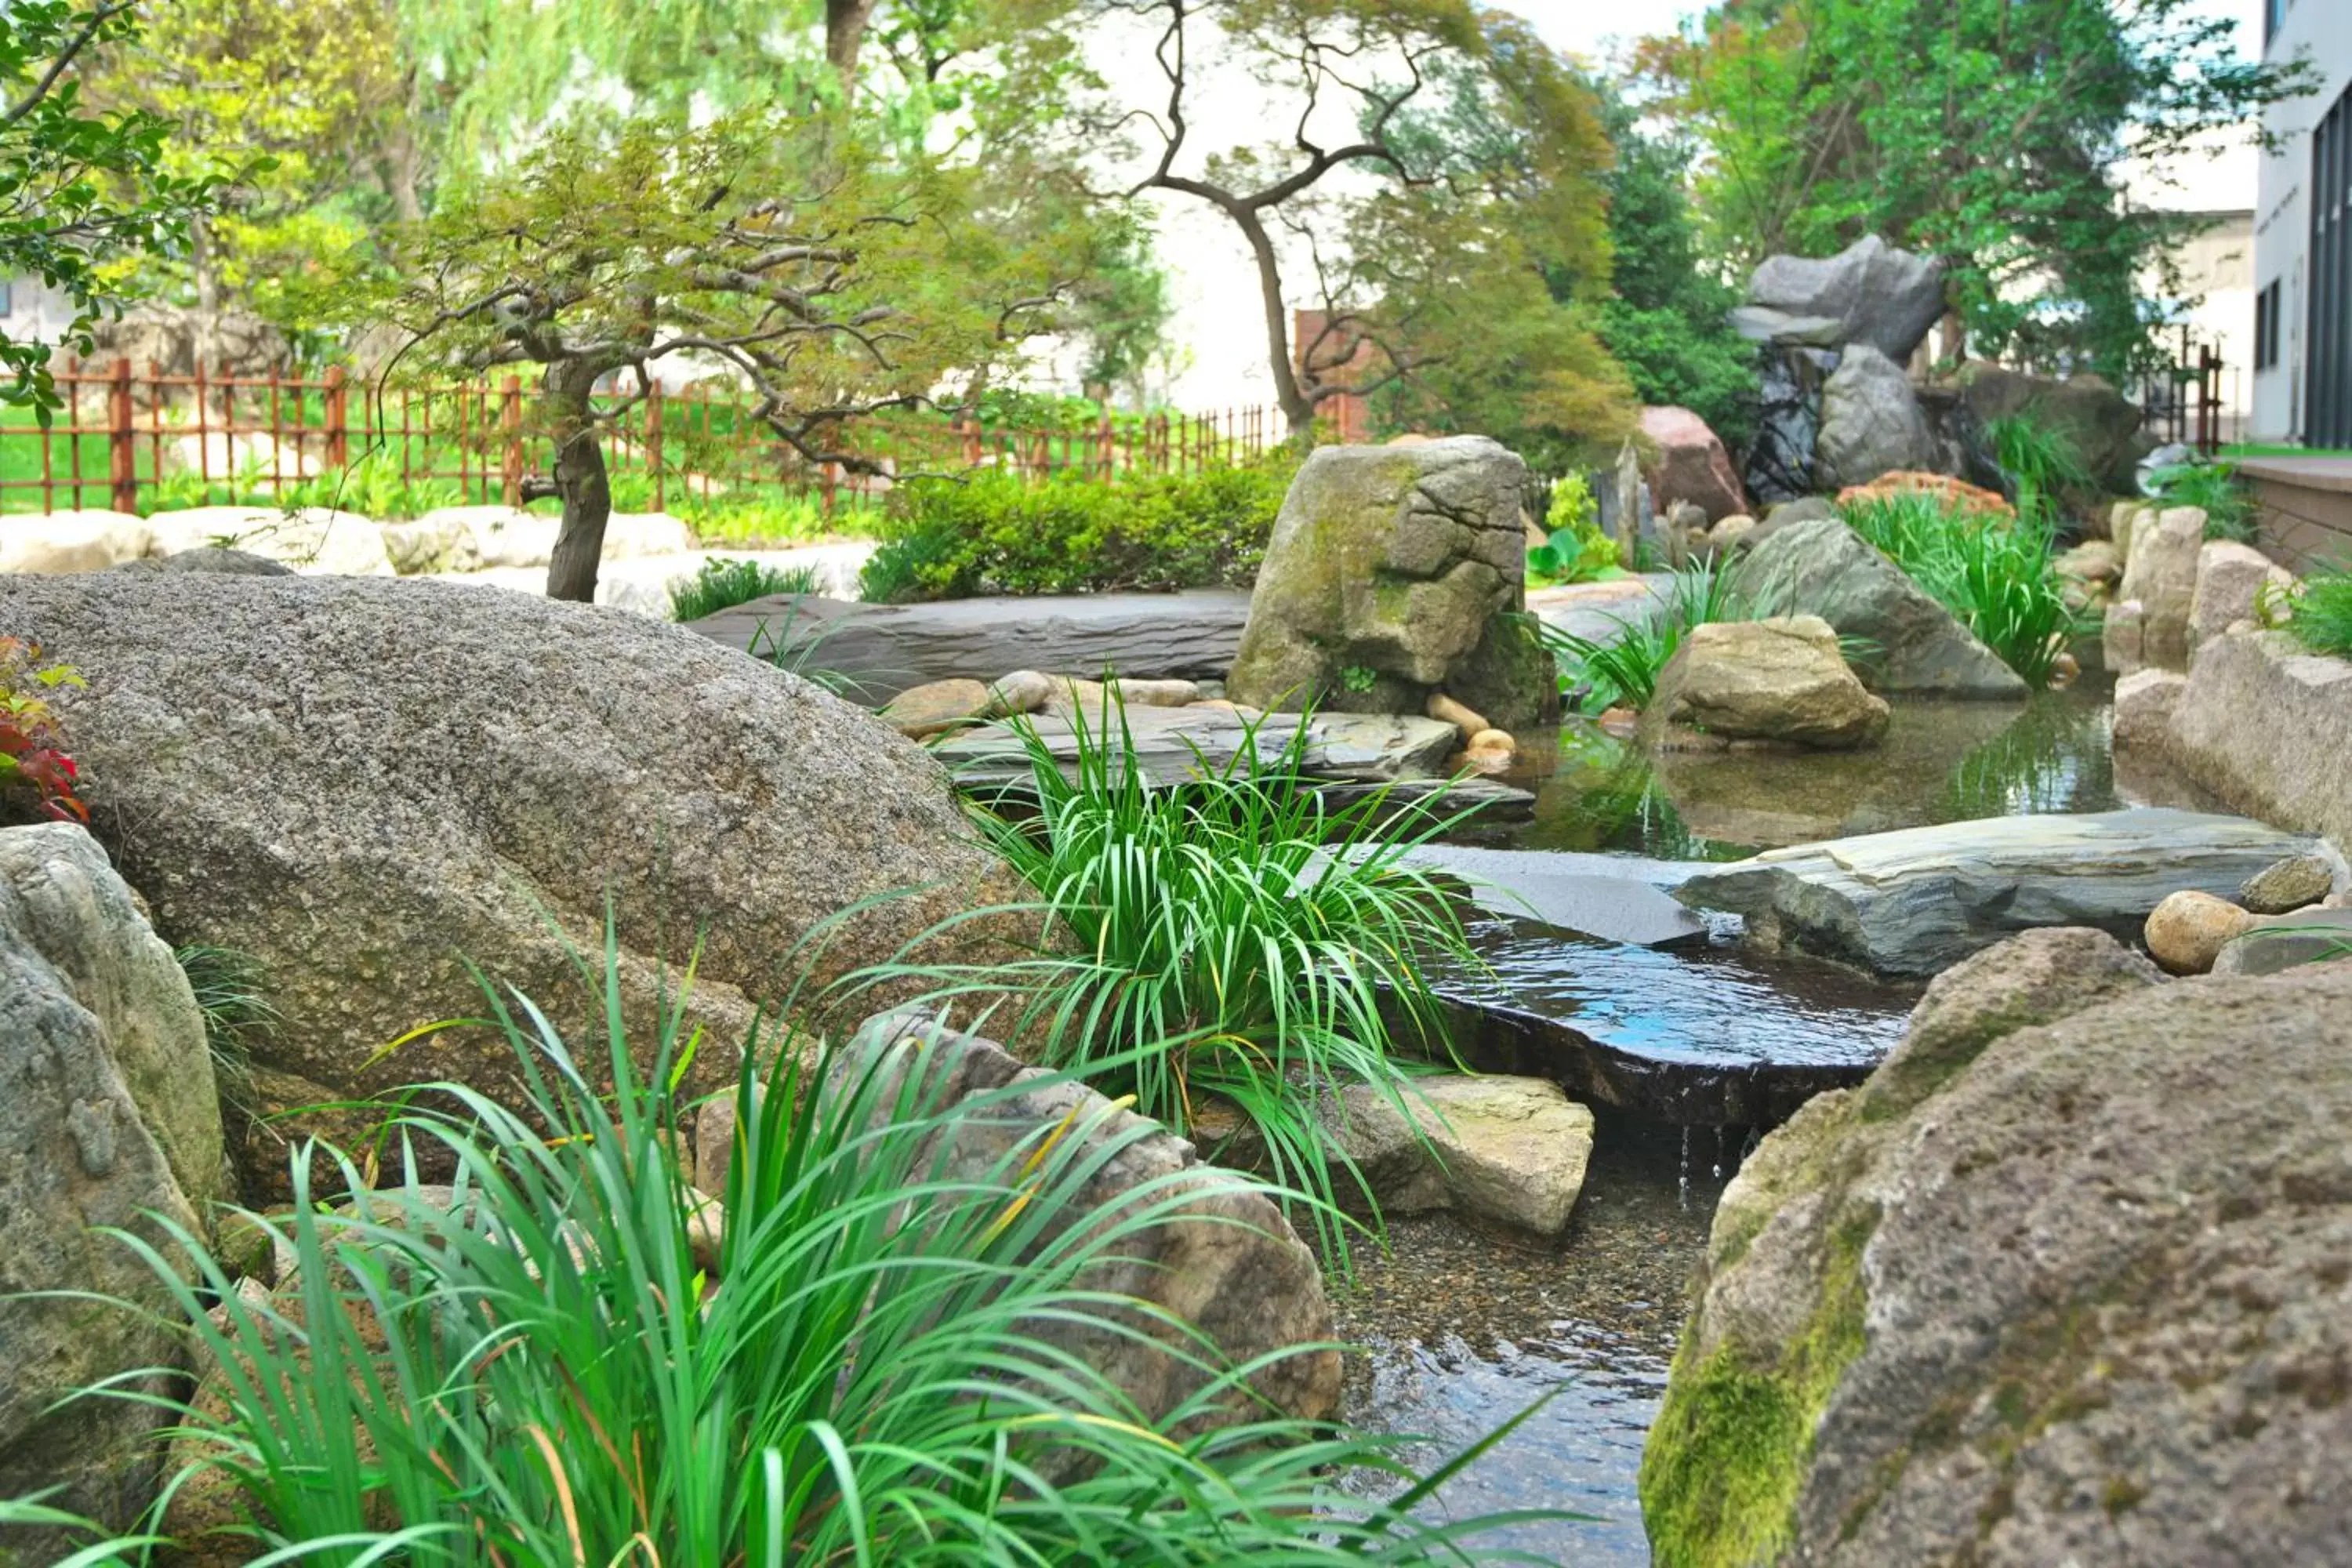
[[2066, 1281], [1394, 571]]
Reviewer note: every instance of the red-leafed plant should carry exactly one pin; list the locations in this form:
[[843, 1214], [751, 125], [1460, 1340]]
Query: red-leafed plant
[[32, 760]]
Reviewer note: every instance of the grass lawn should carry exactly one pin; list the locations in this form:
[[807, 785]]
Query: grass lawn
[[2260, 450]]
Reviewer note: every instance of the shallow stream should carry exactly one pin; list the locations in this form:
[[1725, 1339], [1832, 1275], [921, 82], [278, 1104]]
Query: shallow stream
[[1466, 1327]]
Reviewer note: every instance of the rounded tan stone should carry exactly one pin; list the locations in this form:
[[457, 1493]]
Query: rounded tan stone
[[2188, 930]]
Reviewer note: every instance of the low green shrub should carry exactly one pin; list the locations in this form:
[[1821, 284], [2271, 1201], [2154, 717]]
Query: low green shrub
[[1998, 575], [1576, 550], [2213, 489], [531, 1366], [999, 534], [1232, 937], [2319, 612], [721, 584]]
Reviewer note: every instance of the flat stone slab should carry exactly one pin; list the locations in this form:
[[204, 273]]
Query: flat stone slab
[[884, 649], [1918, 900], [1565, 891], [1357, 753]]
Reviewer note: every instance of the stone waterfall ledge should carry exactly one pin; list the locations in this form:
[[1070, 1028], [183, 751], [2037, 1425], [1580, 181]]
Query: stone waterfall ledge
[[2267, 727], [1918, 900]]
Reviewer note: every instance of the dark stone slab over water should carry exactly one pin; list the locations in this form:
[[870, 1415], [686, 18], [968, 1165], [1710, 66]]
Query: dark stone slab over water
[[1702, 1036], [885, 649]]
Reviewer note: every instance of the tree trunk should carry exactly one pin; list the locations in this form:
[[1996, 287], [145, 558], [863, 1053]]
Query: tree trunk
[[580, 479], [1296, 403], [844, 31], [401, 172]]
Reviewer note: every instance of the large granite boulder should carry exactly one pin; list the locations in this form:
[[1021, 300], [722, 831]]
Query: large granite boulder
[[2267, 726], [1394, 571], [1691, 465], [1226, 1261], [2148, 625], [2231, 579], [1871, 422], [1782, 679], [108, 1116], [2073, 1294], [1877, 295], [1825, 568], [1918, 899], [365, 783]]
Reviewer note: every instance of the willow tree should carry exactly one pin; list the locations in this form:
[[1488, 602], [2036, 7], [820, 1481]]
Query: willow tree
[[1370, 205], [831, 278]]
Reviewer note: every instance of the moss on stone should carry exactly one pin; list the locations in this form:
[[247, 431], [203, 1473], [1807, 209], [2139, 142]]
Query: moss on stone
[[1727, 1457]]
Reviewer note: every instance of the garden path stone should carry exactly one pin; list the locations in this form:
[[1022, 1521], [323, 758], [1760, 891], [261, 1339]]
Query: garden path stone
[[1918, 899], [883, 649]]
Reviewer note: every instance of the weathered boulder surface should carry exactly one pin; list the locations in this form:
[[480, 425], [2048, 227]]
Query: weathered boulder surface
[[61, 541], [2076, 1295], [365, 784], [1871, 422], [1226, 1261], [1878, 295], [1779, 680], [1393, 571], [1918, 899], [107, 1113], [2230, 580], [2266, 726], [2274, 944], [1824, 568], [1507, 1149], [1692, 463], [2145, 701], [211, 558]]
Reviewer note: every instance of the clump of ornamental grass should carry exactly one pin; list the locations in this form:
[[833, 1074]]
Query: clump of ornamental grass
[[2319, 612], [1622, 669], [1233, 939], [722, 582], [1997, 575], [532, 1367]]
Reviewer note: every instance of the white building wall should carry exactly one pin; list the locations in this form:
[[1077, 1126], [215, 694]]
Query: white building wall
[[2322, 29], [32, 312]]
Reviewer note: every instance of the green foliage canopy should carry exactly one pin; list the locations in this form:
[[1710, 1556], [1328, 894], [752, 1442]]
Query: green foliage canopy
[[1987, 132]]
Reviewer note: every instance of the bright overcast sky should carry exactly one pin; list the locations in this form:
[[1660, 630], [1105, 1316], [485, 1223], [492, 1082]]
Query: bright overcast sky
[[1592, 28]]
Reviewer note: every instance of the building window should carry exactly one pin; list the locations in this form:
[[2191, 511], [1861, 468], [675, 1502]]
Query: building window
[[2274, 18], [7, 297], [2267, 327]]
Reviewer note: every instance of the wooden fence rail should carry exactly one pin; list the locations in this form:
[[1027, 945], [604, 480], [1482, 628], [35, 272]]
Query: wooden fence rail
[[138, 443]]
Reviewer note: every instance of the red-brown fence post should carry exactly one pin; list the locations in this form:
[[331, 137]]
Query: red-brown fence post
[[122, 439], [338, 419], [652, 443], [512, 398]]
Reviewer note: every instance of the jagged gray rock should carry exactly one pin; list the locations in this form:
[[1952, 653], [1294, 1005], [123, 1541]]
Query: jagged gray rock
[[107, 1115], [1879, 296], [1872, 423]]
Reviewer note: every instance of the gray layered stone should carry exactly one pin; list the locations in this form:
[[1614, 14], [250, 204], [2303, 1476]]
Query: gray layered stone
[[880, 651], [1390, 573], [1918, 899], [2267, 726], [1217, 1253], [1871, 422], [2279, 944], [2080, 1301], [365, 783], [1886, 298], [1824, 568], [1571, 892], [108, 1118]]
